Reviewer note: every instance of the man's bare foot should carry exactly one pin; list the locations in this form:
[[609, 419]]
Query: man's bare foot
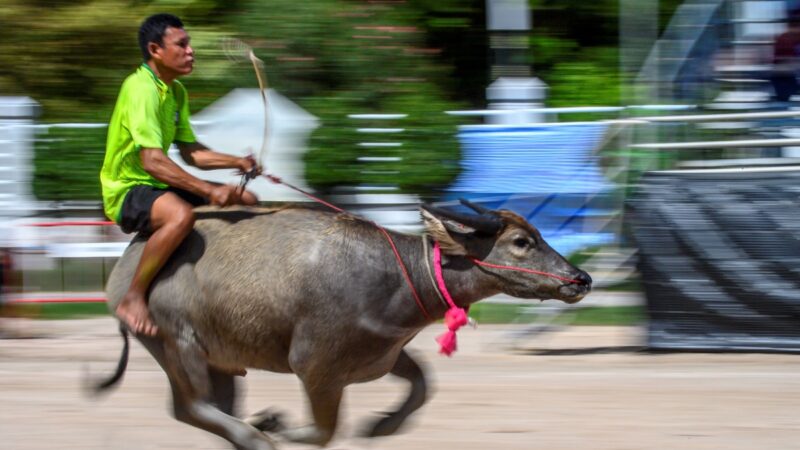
[[133, 311]]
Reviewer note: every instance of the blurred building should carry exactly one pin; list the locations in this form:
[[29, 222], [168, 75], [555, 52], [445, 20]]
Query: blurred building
[[714, 52], [716, 234], [17, 115]]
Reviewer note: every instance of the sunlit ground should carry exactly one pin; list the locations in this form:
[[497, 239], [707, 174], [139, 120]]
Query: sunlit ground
[[585, 387]]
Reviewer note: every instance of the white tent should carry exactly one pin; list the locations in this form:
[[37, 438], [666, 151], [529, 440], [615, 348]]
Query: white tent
[[234, 124]]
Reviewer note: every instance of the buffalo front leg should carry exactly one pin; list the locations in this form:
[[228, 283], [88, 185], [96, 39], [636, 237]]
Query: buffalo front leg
[[405, 367], [324, 401]]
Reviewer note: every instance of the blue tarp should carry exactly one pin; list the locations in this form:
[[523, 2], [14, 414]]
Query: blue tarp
[[548, 174]]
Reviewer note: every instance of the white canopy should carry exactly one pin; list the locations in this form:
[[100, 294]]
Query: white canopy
[[235, 125]]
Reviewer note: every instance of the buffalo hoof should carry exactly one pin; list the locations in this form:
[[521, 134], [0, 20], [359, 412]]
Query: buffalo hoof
[[268, 421], [385, 426]]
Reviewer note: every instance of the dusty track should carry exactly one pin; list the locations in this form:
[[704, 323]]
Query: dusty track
[[584, 388]]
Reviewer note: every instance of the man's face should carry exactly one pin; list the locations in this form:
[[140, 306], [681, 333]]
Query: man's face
[[176, 54]]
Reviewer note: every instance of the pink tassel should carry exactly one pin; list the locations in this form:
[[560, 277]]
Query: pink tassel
[[454, 319], [447, 343]]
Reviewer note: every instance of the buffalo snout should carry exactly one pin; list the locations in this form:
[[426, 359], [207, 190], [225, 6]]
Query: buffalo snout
[[575, 290], [584, 279]]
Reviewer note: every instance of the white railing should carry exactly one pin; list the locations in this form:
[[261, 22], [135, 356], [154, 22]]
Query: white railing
[[744, 143]]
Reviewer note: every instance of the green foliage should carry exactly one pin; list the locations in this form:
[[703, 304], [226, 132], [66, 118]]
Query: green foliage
[[429, 152], [500, 313], [67, 55], [71, 57], [59, 311], [583, 83], [67, 162], [574, 49], [361, 58]]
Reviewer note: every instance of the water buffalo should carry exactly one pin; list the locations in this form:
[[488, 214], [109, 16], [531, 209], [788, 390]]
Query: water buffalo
[[321, 295]]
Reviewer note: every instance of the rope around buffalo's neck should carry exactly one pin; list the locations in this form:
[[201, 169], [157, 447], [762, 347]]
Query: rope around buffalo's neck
[[455, 317], [429, 271]]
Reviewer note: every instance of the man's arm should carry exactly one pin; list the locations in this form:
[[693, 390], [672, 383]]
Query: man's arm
[[157, 164], [198, 155]]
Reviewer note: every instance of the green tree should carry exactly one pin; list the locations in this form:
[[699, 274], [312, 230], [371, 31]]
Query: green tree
[[333, 57], [345, 57], [71, 56]]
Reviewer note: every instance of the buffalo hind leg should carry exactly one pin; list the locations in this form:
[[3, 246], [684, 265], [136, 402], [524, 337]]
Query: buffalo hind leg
[[408, 369], [194, 399], [324, 403]]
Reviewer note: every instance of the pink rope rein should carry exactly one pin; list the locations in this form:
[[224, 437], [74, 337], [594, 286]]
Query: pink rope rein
[[522, 269], [455, 317]]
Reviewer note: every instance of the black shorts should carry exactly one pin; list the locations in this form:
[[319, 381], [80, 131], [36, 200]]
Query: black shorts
[[135, 214]]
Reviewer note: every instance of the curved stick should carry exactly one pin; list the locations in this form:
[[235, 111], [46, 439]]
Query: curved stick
[[235, 49], [262, 82]]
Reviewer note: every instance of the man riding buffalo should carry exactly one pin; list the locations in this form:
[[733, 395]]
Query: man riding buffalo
[[143, 190]]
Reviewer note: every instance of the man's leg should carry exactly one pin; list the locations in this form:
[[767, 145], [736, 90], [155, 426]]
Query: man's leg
[[171, 219], [249, 199]]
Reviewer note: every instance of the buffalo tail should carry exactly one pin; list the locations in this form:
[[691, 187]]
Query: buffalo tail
[[96, 387]]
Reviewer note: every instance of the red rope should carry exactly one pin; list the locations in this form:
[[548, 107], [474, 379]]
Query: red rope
[[26, 300], [405, 272], [278, 180], [521, 269], [72, 223]]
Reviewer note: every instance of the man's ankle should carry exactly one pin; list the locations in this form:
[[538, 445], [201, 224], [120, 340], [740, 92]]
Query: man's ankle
[[133, 297]]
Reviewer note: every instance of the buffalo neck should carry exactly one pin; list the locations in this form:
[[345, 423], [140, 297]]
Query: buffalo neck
[[465, 282]]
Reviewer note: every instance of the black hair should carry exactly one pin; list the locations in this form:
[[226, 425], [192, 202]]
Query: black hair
[[153, 29]]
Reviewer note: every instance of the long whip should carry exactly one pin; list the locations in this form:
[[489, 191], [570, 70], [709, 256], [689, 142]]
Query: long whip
[[237, 50]]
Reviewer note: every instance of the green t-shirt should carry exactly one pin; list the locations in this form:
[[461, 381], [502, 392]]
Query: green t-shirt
[[148, 114]]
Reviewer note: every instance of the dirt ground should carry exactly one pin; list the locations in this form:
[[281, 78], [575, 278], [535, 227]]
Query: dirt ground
[[581, 388]]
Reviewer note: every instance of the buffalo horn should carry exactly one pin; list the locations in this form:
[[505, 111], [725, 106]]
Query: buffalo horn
[[484, 224], [477, 208]]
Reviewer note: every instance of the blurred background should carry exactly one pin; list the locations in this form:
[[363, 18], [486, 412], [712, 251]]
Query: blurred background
[[653, 142]]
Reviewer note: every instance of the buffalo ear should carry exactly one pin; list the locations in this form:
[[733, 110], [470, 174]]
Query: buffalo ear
[[446, 232]]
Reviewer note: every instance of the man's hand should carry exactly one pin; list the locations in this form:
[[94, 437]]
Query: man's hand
[[225, 195], [248, 165]]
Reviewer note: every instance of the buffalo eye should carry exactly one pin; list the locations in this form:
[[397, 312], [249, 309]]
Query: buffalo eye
[[521, 242]]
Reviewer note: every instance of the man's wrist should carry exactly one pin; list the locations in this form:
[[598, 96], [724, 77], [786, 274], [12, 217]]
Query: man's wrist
[[207, 189], [244, 164]]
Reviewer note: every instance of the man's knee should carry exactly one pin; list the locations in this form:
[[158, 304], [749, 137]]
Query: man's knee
[[184, 218], [248, 198], [171, 211]]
